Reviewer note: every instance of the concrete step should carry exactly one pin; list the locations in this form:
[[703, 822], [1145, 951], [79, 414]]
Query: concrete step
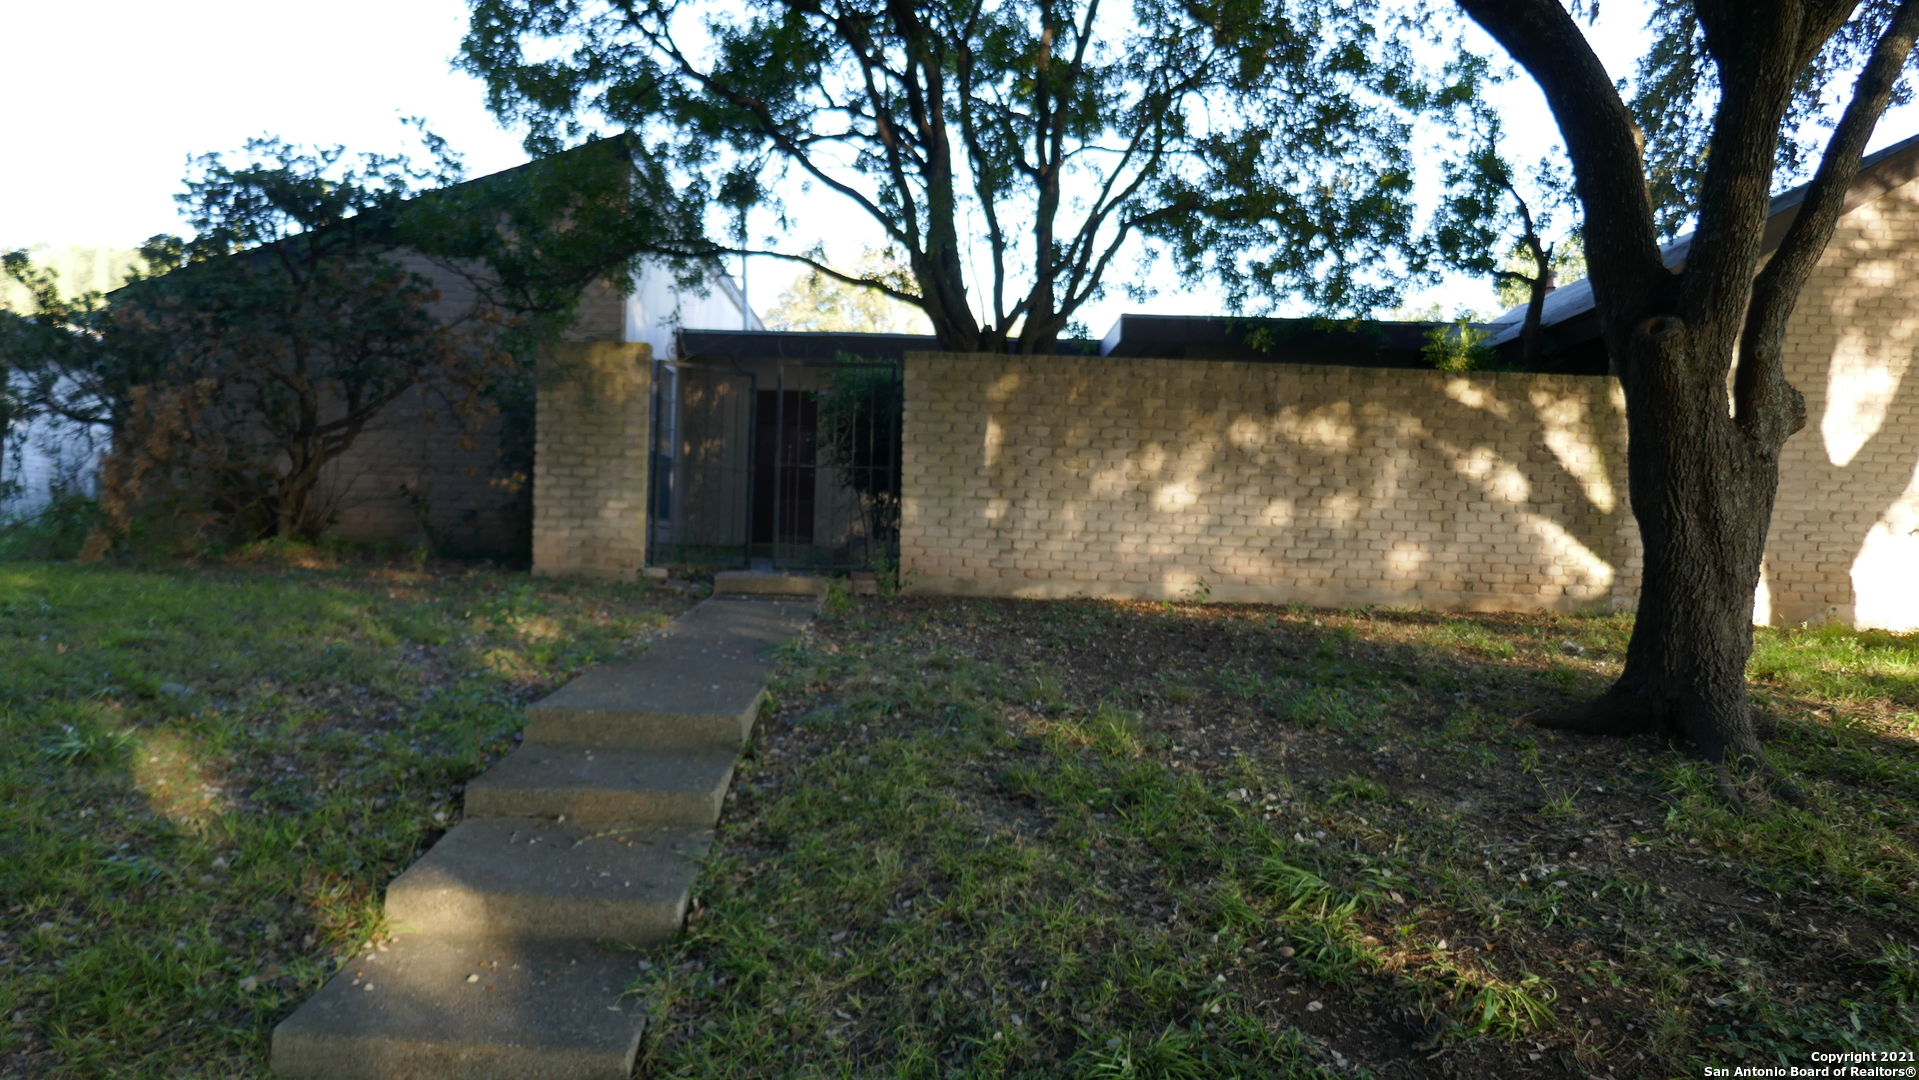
[[589, 786], [700, 685], [763, 583], [532, 879], [537, 1011]]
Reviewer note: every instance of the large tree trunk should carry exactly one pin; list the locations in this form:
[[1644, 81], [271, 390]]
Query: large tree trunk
[[1703, 466], [1702, 491]]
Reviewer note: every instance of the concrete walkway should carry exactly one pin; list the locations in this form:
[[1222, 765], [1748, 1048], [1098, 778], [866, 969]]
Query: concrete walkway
[[590, 832]]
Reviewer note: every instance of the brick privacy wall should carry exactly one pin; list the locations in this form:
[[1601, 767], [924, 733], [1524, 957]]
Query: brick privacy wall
[[590, 459], [1844, 544], [1057, 476]]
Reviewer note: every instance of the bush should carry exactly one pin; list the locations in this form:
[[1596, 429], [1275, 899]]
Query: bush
[[54, 532]]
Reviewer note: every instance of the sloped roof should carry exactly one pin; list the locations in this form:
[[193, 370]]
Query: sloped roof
[[1880, 172]]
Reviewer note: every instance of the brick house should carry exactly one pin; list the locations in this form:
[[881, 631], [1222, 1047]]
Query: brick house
[[1170, 459], [1344, 485], [1845, 532], [781, 450], [412, 478]]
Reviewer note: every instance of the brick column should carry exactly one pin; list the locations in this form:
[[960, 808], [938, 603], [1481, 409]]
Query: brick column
[[591, 440]]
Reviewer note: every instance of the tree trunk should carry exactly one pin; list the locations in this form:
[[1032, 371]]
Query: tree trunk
[[1532, 345], [1702, 491], [290, 520], [1702, 480], [1531, 348]]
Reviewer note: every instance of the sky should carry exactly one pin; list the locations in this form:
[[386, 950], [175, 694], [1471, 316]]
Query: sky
[[107, 107]]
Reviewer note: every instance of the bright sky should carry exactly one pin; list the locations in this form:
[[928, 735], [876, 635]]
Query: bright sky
[[109, 101]]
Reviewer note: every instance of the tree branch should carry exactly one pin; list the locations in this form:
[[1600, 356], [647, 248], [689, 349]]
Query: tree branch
[[1759, 51], [984, 183], [1604, 144], [804, 260], [771, 130], [1759, 385]]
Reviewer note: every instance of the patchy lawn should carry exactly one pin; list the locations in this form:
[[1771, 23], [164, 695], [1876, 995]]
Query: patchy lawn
[[1128, 840], [207, 775], [973, 838]]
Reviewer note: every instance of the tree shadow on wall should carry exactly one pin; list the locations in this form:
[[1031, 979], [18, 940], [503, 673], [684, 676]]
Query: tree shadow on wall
[[1348, 477]]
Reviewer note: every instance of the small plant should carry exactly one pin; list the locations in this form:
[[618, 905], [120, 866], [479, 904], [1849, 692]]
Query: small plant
[[132, 870], [56, 531], [1334, 707], [1320, 920], [1563, 677], [1528, 756], [888, 577], [838, 600], [1045, 691], [1509, 1009], [1356, 788], [1560, 806], [1470, 635], [1460, 346], [80, 745], [1902, 973], [1174, 1055], [1115, 731], [1175, 689]]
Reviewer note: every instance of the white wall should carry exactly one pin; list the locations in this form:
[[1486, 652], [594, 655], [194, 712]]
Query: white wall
[[658, 306], [38, 456]]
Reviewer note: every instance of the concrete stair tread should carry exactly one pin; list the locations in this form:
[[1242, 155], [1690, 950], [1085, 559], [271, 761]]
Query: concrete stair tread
[[637, 756], [539, 1011], [769, 583], [532, 878], [601, 785], [699, 685]]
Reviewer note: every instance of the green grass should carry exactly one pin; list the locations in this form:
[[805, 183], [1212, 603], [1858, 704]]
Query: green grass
[[972, 838], [207, 775], [1087, 840]]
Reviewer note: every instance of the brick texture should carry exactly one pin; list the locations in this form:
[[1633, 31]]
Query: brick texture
[[418, 477], [1050, 477], [1057, 476], [1845, 533], [590, 459]]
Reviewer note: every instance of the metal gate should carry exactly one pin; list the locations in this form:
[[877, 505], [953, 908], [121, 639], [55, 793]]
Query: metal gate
[[775, 465]]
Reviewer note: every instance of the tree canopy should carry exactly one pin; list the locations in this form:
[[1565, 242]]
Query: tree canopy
[[243, 360], [820, 303], [1496, 219], [1011, 153], [1678, 88]]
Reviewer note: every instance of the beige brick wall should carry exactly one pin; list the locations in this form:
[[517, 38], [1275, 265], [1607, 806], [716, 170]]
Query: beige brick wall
[[601, 314], [1845, 535], [590, 459], [1058, 476], [418, 475]]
